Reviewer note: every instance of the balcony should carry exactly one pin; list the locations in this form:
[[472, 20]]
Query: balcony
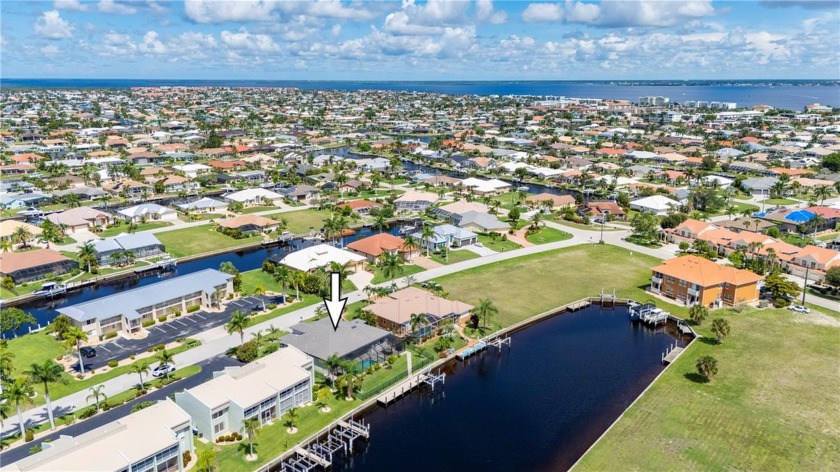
[[656, 280], [693, 292]]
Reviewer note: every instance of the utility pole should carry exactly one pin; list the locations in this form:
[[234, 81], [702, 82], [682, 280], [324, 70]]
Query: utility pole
[[603, 223], [805, 285]]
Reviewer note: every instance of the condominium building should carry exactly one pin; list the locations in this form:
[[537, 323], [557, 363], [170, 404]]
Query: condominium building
[[153, 439], [130, 309], [695, 280], [264, 389]]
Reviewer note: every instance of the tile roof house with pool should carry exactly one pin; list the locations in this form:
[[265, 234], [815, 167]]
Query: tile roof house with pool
[[128, 310], [393, 312], [34, 265]]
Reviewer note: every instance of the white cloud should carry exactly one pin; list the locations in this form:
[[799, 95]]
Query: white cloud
[[484, 12], [213, 11], [69, 5], [542, 12], [435, 12], [243, 40], [156, 7], [50, 50], [51, 25], [620, 13], [111, 6], [336, 9], [116, 44], [152, 45]]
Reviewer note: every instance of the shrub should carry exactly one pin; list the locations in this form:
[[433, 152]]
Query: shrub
[[113, 363], [271, 306], [87, 413], [68, 419], [193, 308], [186, 458], [30, 436], [273, 347], [139, 406], [177, 314], [58, 358], [247, 352], [106, 406], [35, 449], [132, 357], [160, 347], [161, 318], [180, 340], [237, 437], [111, 335], [146, 324]]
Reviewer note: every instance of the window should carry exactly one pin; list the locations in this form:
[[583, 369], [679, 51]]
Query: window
[[218, 427], [220, 413], [251, 412]]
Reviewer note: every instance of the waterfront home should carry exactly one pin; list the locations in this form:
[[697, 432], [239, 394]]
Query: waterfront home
[[8, 228], [373, 247], [558, 202], [83, 192], [152, 439], [481, 222], [255, 197], [34, 265], [413, 200], [362, 207], [81, 219], [453, 211], [352, 341], [128, 187], [204, 205], [142, 245], [446, 236], [264, 389], [601, 211], [320, 256], [654, 204], [21, 200], [300, 193], [148, 211], [759, 185], [129, 310], [485, 187], [250, 224], [695, 280], [193, 170], [393, 312]]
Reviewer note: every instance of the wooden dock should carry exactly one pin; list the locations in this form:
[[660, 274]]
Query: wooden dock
[[313, 457], [400, 389], [672, 355]]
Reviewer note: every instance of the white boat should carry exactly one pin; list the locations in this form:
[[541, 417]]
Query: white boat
[[50, 290]]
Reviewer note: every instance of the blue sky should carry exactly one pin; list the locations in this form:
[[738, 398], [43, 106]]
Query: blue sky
[[420, 40]]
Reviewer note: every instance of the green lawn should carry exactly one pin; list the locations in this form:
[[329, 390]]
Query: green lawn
[[454, 256], [200, 239], [252, 278], [497, 244], [255, 209], [740, 207], [779, 201], [299, 222], [772, 406], [554, 278], [123, 228], [548, 235], [206, 216], [572, 224], [308, 300], [408, 269], [829, 236], [796, 239]]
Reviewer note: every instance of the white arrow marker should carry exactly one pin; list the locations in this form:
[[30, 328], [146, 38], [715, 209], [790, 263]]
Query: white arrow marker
[[335, 304]]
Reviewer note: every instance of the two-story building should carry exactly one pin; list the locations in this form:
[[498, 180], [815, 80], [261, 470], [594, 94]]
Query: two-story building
[[695, 280]]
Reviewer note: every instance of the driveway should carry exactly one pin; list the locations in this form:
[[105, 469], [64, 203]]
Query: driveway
[[480, 250]]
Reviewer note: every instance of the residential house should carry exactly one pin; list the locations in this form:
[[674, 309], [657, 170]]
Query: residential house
[[414, 201], [695, 280], [300, 193], [447, 236], [255, 197], [373, 247], [9, 227], [320, 256], [393, 312], [204, 205], [34, 265], [353, 341], [655, 204], [250, 224], [362, 207], [558, 202], [148, 211], [81, 219], [142, 245], [600, 211]]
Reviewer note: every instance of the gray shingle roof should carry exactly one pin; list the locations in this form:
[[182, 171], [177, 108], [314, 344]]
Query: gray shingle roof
[[319, 340]]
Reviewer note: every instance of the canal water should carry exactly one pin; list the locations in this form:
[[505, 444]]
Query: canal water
[[45, 310], [535, 407]]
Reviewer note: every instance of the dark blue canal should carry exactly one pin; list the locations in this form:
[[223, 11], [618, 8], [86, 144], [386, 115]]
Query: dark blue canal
[[535, 407]]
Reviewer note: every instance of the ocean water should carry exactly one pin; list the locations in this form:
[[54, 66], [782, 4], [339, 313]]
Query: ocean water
[[788, 94]]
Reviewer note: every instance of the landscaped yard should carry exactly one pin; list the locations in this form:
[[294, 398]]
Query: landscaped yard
[[255, 209], [200, 239], [779, 201], [772, 406], [497, 244], [454, 256], [408, 269], [548, 235], [299, 222], [123, 228]]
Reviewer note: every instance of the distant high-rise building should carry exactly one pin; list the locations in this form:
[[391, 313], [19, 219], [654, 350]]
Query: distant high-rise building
[[653, 101]]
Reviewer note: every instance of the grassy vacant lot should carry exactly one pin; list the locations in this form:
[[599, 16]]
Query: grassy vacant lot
[[548, 235], [779, 201], [408, 269], [554, 278], [454, 256], [199, 239], [299, 222], [255, 209], [772, 406], [497, 244], [123, 228]]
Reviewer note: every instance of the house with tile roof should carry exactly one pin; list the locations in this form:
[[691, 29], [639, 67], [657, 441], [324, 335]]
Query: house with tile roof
[[373, 247], [695, 280]]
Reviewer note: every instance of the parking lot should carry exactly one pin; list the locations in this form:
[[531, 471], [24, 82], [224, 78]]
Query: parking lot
[[163, 333]]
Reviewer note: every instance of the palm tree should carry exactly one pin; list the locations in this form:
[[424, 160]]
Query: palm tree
[[251, 427], [22, 236], [6, 245], [822, 193], [391, 265], [535, 220], [87, 256], [239, 321], [19, 392], [707, 366], [165, 357], [351, 379], [720, 328], [282, 275], [427, 233], [291, 420], [416, 322], [298, 279], [380, 222], [96, 393], [409, 280], [259, 291], [47, 373], [74, 337], [485, 310], [697, 313], [206, 461], [140, 368], [343, 270], [333, 364], [7, 365], [410, 243]]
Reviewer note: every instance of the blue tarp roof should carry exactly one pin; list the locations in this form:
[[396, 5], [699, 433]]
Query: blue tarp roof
[[800, 216]]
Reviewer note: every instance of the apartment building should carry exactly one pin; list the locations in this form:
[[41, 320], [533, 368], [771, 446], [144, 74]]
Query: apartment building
[[264, 389], [695, 280]]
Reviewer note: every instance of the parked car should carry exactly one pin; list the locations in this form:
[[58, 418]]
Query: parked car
[[162, 370], [88, 352], [799, 309]]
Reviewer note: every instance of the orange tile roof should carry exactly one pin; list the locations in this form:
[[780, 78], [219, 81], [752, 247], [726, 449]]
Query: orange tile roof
[[357, 204], [694, 226], [14, 261], [377, 244], [705, 273]]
